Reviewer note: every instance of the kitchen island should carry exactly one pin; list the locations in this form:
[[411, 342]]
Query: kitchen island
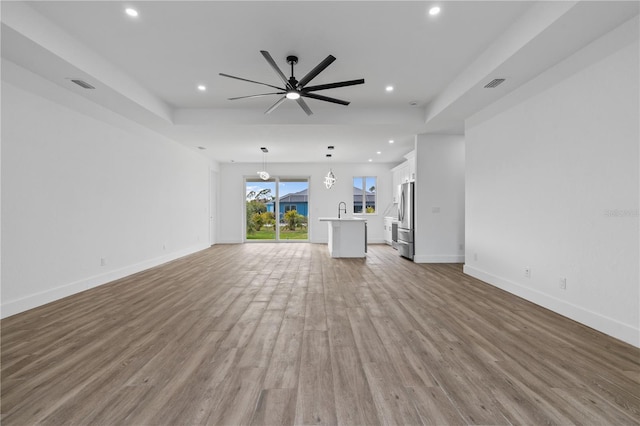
[[347, 236]]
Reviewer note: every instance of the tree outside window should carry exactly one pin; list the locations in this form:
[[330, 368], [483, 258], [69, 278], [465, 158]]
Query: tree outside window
[[364, 195]]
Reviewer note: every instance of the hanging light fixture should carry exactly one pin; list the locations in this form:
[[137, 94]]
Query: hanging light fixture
[[330, 178], [264, 175]]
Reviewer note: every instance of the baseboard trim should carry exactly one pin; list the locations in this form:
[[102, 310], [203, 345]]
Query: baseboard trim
[[376, 241], [606, 325], [13, 307], [453, 258]]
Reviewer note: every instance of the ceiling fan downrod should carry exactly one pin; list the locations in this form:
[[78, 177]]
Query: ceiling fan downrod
[[292, 60], [293, 92]]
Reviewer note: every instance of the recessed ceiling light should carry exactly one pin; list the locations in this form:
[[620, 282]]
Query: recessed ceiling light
[[434, 11], [378, 152], [391, 141], [202, 87], [131, 12], [389, 88], [370, 159]]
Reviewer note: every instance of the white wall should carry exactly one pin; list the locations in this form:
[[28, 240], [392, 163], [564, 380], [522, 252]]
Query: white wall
[[322, 202], [552, 185], [439, 196], [77, 189]]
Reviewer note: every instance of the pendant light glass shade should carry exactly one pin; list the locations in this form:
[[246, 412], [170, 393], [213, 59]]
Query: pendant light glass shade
[[263, 174], [329, 179]]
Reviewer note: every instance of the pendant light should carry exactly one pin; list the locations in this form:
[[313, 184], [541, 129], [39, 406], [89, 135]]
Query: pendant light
[[330, 178], [264, 175]]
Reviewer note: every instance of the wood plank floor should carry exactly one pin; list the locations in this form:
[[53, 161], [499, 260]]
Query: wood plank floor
[[280, 334]]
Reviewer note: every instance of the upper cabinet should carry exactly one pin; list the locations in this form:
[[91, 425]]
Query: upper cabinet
[[411, 160], [403, 172]]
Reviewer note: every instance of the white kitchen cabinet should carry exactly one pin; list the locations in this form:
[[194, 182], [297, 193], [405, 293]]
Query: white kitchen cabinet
[[411, 166], [400, 175], [347, 236], [403, 173], [388, 226]]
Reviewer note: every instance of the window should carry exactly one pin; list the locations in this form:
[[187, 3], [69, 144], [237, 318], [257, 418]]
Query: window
[[364, 195]]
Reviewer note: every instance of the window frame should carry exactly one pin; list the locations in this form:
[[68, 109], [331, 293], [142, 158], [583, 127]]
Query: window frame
[[363, 185]]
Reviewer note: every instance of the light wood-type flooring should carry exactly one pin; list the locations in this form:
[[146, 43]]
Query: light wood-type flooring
[[281, 334]]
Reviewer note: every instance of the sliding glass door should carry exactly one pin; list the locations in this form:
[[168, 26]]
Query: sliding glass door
[[277, 209], [260, 214], [293, 209]]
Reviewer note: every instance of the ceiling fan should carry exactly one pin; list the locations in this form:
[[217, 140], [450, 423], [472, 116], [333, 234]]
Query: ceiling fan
[[298, 89]]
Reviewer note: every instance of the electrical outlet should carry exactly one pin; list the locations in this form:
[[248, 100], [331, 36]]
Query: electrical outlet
[[164, 246], [527, 272], [461, 246], [475, 257], [103, 261], [563, 283]]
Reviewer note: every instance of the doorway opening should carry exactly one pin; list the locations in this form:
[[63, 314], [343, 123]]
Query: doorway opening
[[277, 209]]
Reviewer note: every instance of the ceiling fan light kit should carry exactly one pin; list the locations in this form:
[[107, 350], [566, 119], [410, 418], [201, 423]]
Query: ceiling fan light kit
[[293, 95], [294, 89]]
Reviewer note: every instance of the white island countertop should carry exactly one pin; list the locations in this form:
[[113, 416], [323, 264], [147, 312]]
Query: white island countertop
[[347, 236]]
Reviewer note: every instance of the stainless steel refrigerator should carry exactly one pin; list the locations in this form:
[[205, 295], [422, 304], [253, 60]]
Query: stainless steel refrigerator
[[406, 220]]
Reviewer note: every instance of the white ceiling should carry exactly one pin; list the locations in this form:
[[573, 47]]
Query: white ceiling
[[147, 68]]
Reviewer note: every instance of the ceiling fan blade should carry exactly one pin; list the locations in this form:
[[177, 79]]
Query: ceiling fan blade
[[317, 70], [324, 98], [333, 85], [275, 67], [276, 105], [304, 106], [250, 81], [256, 96]]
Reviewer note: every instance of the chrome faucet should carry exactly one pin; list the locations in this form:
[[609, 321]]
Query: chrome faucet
[[339, 209]]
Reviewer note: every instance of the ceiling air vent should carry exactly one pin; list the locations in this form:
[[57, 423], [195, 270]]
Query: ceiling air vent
[[494, 83], [83, 84]]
